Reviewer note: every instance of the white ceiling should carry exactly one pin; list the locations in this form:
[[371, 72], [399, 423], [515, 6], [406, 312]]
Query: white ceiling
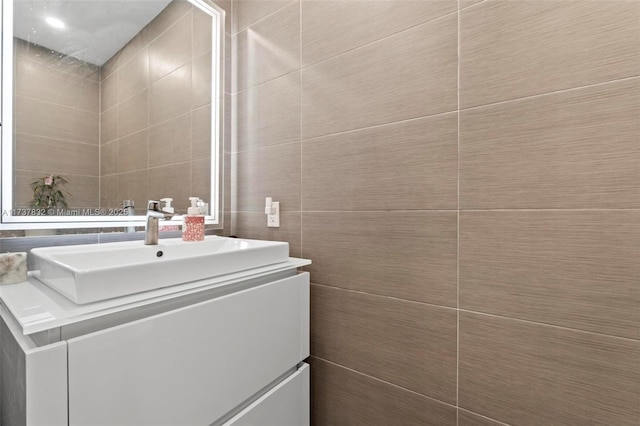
[[95, 29]]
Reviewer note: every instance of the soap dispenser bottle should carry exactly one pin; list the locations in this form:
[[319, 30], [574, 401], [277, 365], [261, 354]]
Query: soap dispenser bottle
[[193, 228]]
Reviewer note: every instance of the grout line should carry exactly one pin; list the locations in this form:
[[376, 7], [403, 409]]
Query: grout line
[[66, 174], [567, 209], [458, 228], [64, 140], [484, 417], [98, 112], [148, 128], [455, 210], [460, 310], [254, 86], [65, 71], [265, 17], [276, 145], [347, 131], [116, 73], [553, 92], [190, 110], [470, 6], [374, 126], [384, 296], [380, 39], [353, 211], [160, 166], [232, 6], [544, 324], [300, 123]]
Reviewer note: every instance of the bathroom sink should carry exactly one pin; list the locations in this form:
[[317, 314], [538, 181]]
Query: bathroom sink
[[90, 273]]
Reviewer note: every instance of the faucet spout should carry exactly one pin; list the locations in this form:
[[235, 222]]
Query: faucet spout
[[154, 212]]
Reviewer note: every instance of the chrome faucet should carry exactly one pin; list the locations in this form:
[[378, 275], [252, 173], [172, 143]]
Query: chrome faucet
[[129, 207], [154, 212]]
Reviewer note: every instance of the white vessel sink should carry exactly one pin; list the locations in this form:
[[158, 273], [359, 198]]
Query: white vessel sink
[[90, 273]]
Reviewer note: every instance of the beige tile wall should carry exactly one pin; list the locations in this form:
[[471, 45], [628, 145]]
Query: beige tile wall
[[56, 110], [155, 107], [465, 177]]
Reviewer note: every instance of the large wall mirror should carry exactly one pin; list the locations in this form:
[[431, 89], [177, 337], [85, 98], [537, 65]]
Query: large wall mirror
[[112, 103]]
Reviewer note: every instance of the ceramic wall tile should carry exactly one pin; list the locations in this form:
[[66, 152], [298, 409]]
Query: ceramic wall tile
[[408, 75], [343, 396], [412, 345], [574, 269], [572, 149], [524, 373], [412, 165], [545, 46]]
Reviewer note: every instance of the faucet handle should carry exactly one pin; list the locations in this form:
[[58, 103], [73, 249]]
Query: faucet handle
[[153, 205], [166, 205]]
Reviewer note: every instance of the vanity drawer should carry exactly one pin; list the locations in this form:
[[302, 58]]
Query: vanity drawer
[[286, 404], [191, 365]]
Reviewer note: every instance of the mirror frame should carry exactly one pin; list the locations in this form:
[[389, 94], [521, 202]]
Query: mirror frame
[[19, 222]]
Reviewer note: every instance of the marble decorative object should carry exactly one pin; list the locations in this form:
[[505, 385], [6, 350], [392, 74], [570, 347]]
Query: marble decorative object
[[13, 267]]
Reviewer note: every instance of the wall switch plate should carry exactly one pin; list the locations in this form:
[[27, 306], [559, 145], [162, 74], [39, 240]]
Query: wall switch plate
[[273, 219]]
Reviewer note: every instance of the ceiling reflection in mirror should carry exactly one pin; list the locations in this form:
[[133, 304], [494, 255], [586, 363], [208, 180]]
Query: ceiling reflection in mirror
[[115, 99]]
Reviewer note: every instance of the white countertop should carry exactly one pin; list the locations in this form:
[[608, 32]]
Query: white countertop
[[37, 307]]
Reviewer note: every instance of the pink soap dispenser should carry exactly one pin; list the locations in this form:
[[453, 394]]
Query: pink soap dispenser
[[193, 228]]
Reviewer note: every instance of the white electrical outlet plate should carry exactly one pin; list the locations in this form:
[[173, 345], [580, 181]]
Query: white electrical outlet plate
[[273, 220]]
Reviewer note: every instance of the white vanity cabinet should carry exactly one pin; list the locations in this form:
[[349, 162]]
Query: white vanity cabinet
[[33, 380], [217, 356]]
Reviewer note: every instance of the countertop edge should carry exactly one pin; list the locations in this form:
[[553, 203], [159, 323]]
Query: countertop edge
[[38, 308]]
